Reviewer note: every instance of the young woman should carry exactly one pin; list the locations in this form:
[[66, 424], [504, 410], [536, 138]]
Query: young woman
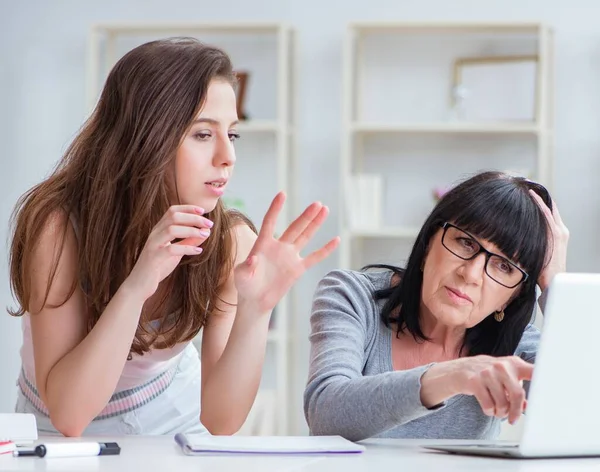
[[126, 252]]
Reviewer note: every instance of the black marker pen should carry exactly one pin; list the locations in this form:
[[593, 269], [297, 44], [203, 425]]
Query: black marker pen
[[71, 449]]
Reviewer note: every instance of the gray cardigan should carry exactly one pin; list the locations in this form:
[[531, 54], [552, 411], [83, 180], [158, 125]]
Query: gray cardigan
[[352, 387]]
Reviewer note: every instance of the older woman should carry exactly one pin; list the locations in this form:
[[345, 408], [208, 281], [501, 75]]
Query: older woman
[[439, 349]]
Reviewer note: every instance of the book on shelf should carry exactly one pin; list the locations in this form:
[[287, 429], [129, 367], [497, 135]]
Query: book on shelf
[[363, 201]]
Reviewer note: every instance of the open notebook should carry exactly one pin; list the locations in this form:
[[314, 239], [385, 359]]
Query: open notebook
[[194, 444]]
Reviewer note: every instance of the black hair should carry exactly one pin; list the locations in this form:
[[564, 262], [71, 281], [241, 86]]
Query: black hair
[[498, 208]]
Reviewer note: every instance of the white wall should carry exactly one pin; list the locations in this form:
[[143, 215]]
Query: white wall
[[42, 51], [9, 333]]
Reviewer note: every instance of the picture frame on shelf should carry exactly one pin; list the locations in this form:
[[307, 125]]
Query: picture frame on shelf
[[494, 89], [241, 87]]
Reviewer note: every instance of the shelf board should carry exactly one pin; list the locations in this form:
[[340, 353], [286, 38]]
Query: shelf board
[[446, 128], [402, 232], [445, 27], [181, 27]]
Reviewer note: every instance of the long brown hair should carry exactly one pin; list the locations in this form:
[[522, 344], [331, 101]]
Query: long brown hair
[[113, 179]]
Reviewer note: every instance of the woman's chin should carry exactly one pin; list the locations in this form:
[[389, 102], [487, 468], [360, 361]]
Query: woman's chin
[[208, 207], [207, 204], [453, 316]]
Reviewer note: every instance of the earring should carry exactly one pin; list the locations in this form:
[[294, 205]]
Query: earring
[[499, 316]]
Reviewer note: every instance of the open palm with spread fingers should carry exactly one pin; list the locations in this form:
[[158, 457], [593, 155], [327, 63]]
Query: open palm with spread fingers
[[274, 265]]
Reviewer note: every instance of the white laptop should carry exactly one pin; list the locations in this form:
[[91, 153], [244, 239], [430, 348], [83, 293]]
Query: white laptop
[[563, 418]]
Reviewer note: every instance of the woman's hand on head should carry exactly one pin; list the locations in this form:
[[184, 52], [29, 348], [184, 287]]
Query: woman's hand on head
[[274, 264], [180, 232], [557, 243]]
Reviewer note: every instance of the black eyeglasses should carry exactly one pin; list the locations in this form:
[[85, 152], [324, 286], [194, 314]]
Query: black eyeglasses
[[498, 268]]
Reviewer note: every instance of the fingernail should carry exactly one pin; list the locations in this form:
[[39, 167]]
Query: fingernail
[[205, 233], [209, 223], [200, 211], [198, 250]]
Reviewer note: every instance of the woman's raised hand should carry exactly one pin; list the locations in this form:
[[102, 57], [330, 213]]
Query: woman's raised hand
[[275, 264]]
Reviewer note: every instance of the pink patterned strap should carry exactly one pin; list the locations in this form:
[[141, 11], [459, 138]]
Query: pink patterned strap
[[119, 403]]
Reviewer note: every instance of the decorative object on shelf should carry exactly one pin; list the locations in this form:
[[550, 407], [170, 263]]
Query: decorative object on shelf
[[240, 93], [439, 192], [363, 205], [460, 93], [494, 88]]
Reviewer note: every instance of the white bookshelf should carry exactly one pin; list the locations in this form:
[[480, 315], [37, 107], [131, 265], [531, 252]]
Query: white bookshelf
[[375, 75], [270, 131]]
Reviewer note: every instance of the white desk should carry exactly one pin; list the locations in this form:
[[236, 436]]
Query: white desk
[[145, 454]]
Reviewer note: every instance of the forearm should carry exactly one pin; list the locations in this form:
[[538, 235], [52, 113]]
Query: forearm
[[361, 408], [80, 385], [230, 390], [438, 384]]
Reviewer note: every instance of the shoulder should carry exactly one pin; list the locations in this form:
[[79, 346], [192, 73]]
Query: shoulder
[[357, 282], [53, 258], [243, 238], [55, 225], [54, 236], [350, 294]]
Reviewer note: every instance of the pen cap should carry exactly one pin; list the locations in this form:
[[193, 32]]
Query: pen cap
[[109, 449]]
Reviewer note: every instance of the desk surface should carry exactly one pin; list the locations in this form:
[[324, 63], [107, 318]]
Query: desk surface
[[147, 454]]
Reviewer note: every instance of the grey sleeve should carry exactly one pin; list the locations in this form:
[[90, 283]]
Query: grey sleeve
[[530, 341], [339, 399], [542, 300], [528, 346], [527, 349]]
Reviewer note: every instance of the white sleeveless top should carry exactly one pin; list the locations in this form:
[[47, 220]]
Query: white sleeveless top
[[137, 371]]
